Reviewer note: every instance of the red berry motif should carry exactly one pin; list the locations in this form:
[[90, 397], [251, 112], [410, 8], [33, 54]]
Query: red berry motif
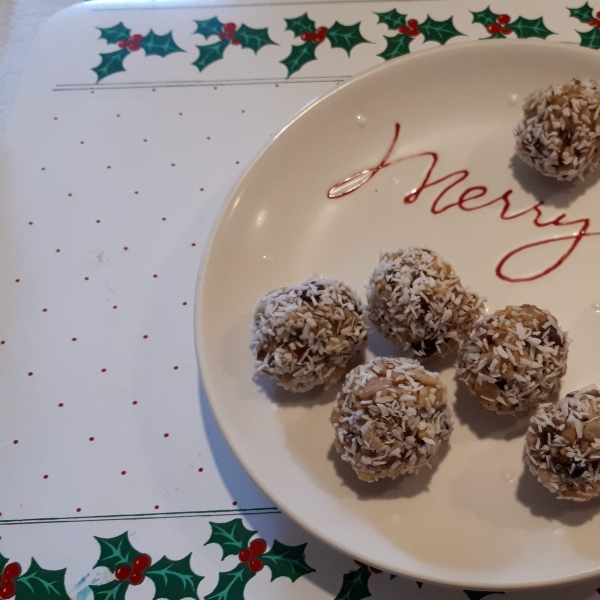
[[235, 41], [503, 20], [506, 30], [122, 44], [137, 38], [412, 23], [136, 578], [595, 23], [598, 14], [122, 572], [494, 28], [256, 565], [403, 29], [306, 36], [322, 31], [11, 571], [414, 32], [141, 562], [8, 590], [245, 555], [258, 547]]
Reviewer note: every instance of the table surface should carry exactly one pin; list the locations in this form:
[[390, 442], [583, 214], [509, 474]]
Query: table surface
[[115, 163]]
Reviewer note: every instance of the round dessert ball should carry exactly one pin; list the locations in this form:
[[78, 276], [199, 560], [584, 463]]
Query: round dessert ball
[[417, 301], [514, 358], [562, 446], [559, 134], [391, 418], [304, 336]]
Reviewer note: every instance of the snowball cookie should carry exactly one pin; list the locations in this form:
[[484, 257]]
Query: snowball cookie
[[304, 336], [391, 418], [514, 358], [559, 134], [562, 447], [417, 301]]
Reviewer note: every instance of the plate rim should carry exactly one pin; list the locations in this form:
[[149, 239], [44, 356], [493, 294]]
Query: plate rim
[[207, 383]]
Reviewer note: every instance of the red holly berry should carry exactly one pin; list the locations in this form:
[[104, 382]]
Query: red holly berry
[[123, 44], [413, 32], [235, 41], [306, 36], [506, 30], [258, 547], [598, 14], [141, 562], [8, 590], [245, 555], [136, 578], [122, 572], [594, 23], [318, 38], [412, 23], [322, 31], [503, 19], [133, 47], [403, 29], [229, 27], [223, 36], [137, 38], [256, 565], [11, 571], [494, 28]]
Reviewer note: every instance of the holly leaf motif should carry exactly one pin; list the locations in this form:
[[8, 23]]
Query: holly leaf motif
[[231, 536], [393, 19], [485, 17], [528, 28], [254, 39], [345, 36], [584, 13], [159, 45], [3, 562], [209, 27], [115, 551], [299, 56], [397, 45], [300, 25], [174, 579], [474, 595], [114, 590], [286, 561], [209, 54], [355, 585], [496, 36], [590, 39], [113, 35], [231, 584], [112, 62], [41, 584], [438, 31]]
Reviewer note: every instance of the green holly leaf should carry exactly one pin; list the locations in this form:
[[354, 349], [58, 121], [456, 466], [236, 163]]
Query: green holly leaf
[[393, 19], [299, 56], [112, 62], [3, 562], [473, 595], [286, 561], [254, 39], [41, 584], [209, 27], [584, 13], [159, 45], [300, 25], [113, 35], [438, 31], [231, 536], [231, 584], [355, 585], [209, 54], [114, 590], [496, 36], [345, 36], [174, 579], [115, 551], [397, 45], [528, 28], [485, 17], [590, 39]]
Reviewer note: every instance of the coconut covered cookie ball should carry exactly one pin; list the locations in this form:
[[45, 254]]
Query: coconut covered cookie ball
[[559, 134], [304, 336], [417, 301], [562, 447], [514, 358], [391, 418]]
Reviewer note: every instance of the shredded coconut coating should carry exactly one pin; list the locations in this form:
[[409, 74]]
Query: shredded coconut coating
[[391, 418], [514, 358], [304, 336], [416, 300], [562, 446], [559, 134]]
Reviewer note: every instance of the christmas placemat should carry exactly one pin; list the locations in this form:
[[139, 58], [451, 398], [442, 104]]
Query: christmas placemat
[[132, 123]]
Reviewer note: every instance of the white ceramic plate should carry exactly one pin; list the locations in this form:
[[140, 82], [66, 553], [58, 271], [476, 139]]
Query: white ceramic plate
[[476, 519]]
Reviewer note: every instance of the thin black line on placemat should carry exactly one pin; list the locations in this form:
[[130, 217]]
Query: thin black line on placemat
[[272, 510]]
